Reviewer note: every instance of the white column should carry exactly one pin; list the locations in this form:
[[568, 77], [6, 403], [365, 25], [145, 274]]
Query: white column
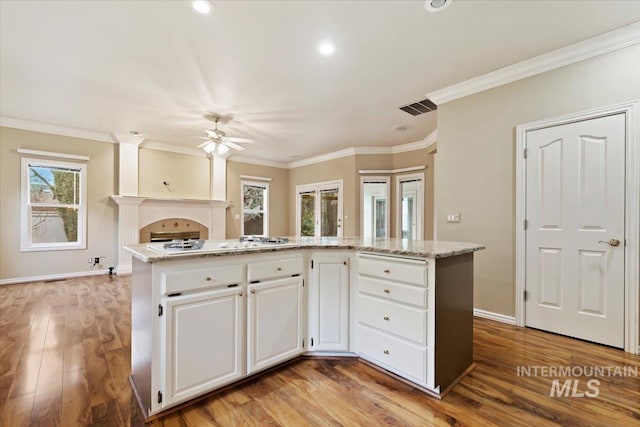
[[128, 230], [217, 226], [128, 161], [219, 177]]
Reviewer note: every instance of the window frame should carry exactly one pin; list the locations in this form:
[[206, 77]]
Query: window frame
[[317, 188], [421, 203], [265, 210], [26, 239]]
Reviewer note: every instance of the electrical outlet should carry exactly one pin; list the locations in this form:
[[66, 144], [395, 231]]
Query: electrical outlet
[[453, 217]]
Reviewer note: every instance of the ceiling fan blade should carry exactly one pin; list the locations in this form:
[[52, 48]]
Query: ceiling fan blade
[[242, 140], [232, 145], [203, 144]]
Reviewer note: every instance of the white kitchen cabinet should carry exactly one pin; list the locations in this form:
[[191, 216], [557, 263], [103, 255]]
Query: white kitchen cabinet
[[204, 342], [329, 304], [274, 322]]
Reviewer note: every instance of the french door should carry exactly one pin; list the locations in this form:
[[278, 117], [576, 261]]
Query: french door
[[319, 209]]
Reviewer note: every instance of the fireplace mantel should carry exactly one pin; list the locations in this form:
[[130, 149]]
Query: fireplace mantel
[[135, 212]]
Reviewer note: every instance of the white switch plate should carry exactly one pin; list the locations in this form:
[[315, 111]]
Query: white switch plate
[[237, 216], [453, 217]]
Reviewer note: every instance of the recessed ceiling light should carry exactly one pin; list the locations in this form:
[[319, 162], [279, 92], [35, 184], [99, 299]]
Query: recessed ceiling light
[[402, 128], [326, 48], [203, 6], [437, 5]]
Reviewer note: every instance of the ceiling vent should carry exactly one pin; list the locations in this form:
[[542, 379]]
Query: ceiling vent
[[419, 107]]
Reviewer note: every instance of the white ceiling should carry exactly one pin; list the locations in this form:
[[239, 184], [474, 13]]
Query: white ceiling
[[157, 66]]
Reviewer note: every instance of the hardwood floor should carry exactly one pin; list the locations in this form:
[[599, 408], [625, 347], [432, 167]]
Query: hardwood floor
[[64, 361]]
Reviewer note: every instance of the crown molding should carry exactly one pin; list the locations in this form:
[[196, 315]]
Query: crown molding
[[154, 145], [431, 139], [12, 122], [256, 161], [324, 157], [620, 38]]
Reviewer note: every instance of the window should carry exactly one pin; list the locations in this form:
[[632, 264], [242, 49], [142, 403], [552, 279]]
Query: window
[[319, 209], [375, 206], [255, 209], [410, 202], [53, 208]]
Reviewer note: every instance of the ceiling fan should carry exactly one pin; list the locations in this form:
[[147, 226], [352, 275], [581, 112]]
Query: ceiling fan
[[217, 141]]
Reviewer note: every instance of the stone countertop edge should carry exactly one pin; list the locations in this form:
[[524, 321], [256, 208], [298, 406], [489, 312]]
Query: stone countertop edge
[[419, 248]]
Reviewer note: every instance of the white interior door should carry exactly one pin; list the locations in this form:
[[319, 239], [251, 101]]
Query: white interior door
[[575, 212]]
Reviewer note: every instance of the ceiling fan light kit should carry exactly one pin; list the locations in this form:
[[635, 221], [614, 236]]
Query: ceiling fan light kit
[[217, 141]]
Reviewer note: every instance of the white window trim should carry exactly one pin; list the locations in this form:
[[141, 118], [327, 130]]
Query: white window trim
[[399, 179], [26, 244], [317, 187], [265, 185], [387, 180]]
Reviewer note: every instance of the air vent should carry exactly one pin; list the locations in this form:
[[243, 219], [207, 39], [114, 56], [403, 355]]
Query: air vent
[[419, 107]]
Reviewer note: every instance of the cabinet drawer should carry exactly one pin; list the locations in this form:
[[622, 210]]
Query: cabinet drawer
[[404, 321], [186, 280], [274, 269], [395, 269], [407, 294], [397, 354]]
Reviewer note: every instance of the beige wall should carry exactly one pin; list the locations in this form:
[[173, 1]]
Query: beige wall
[[476, 157], [101, 215], [278, 197], [188, 176]]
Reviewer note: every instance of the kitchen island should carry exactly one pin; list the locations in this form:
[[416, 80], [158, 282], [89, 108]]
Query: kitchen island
[[208, 318]]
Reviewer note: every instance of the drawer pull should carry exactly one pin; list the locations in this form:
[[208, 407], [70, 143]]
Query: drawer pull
[[240, 294], [387, 291], [387, 271], [386, 317], [208, 279], [253, 291], [279, 269], [386, 352]]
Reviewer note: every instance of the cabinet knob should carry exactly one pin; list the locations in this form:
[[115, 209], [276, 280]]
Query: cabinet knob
[[386, 352], [279, 269], [240, 294], [387, 291], [208, 279], [253, 291], [387, 271], [386, 317]]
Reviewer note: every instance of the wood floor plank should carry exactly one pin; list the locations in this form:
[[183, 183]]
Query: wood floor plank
[[76, 405], [65, 358]]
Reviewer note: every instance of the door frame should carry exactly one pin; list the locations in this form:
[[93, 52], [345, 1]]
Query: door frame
[[387, 180], [317, 187], [421, 202], [631, 111]]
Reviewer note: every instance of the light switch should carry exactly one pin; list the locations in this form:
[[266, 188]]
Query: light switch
[[237, 216], [453, 217]]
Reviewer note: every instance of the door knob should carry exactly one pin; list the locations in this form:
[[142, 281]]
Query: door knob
[[612, 242]]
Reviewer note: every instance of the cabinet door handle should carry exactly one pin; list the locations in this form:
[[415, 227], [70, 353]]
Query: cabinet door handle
[[253, 291], [387, 291], [240, 294], [386, 317], [279, 269], [208, 279], [386, 352], [387, 271]]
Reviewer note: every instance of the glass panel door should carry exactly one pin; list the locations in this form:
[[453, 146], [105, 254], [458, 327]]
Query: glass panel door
[[375, 207], [319, 210], [307, 213], [410, 207], [329, 212]]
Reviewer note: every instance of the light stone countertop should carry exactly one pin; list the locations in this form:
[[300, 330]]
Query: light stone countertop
[[418, 248]]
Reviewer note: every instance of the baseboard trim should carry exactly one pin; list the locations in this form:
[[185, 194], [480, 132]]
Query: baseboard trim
[[511, 320], [16, 280], [124, 269]]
